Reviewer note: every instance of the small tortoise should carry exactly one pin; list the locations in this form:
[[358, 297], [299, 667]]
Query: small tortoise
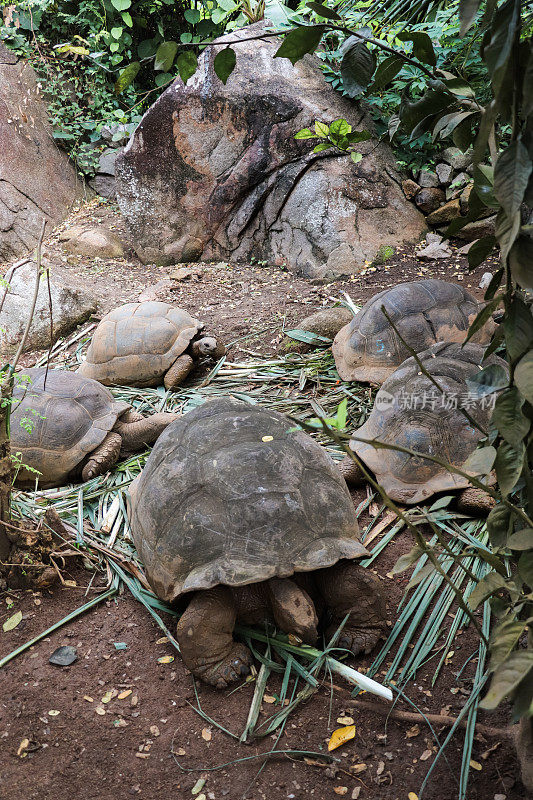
[[146, 344], [67, 426], [411, 412], [253, 522], [423, 312]]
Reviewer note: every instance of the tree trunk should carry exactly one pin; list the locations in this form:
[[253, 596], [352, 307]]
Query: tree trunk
[[6, 471]]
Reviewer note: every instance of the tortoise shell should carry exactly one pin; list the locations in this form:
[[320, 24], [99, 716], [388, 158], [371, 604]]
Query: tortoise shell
[[409, 411], [136, 343], [424, 312], [232, 494], [57, 419]]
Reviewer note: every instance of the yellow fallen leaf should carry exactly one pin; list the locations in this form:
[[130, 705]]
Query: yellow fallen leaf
[[414, 731], [162, 640], [207, 735], [12, 622], [180, 751], [100, 710], [88, 698], [124, 694], [476, 765], [108, 696], [340, 736], [345, 720], [412, 796], [25, 743], [358, 768], [268, 698], [165, 660], [267, 438], [425, 755], [53, 713], [70, 583]]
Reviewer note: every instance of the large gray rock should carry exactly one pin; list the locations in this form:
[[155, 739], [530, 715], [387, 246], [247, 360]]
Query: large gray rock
[[37, 181], [70, 307], [213, 172]]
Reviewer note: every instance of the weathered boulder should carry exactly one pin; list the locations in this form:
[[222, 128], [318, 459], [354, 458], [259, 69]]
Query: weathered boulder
[[36, 179], [92, 241], [70, 306], [429, 200], [445, 213], [214, 172]]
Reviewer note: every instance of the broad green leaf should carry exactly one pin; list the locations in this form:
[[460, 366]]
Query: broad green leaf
[[481, 461], [121, 5], [187, 65], [504, 639], [358, 136], [506, 229], [116, 33], [487, 586], [525, 568], [521, 261], [501, 35], [507, 677], [224, 63], [147, 48], [186, 37], [511, 176], [527, 99], [323, 11], [305, 133], [405, 561], [300, 41], [12, 622], [422, 46], [449, 122], [508, 465], [488, 380], [192, 15], [322, 146], [467, 13], [127, 76], [521, 540], [162, 78], [459, 87], [499, 525], [483, 316], [494, 284], [164, 57], [524, 376], [340, 127], [308, 337], [484, 185], [321, 129], [435, 100], [508, 417], [357, 68], [356, 157], [126, 16], [385, 73], [480, 251]]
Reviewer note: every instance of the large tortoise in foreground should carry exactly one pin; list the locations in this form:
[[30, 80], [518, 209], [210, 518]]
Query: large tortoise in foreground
[[147, 344], [446, 422], [252, 521], [423, 312], [68, 427]]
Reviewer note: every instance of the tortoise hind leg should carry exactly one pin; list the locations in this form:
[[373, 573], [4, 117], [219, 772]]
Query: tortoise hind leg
[[475, 502], [205, 636], [179, 370], [103, 457], [348, 588], [351, 471]]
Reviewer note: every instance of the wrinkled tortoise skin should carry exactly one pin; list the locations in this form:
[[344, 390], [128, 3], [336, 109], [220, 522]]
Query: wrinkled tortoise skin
[[424, 313], [137, 343], [232, 494], [430, 427]]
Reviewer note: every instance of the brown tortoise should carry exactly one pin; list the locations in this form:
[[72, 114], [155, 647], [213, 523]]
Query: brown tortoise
[[423, 312], [251, 521], [146, 344], [409, 411], [68, 427]]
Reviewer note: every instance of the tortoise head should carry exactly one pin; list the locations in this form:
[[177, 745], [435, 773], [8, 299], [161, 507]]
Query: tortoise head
[[207, 347]]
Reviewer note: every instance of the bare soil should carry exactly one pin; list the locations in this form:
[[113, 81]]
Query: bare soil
[[152, 743]]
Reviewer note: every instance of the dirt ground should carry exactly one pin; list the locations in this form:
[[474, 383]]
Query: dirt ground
[[152, 743]]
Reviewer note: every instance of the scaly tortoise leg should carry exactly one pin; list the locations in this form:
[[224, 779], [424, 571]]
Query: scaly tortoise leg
[[142, 431], [349, 588], [475, 502], [178, 371], [351, 472], [103, 457], [293, 609], [205, 637]]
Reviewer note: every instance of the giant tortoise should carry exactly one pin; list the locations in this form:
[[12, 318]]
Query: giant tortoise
[[252, 521], [66, 426], [423, 312], [441, 416], [146, 344]]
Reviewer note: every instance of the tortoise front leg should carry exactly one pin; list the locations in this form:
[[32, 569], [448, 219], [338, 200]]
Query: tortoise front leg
[[103, 457], [205, 637], [351, 471], [293, 609], [348, 588], [143, 431], [178, 371], [475, 501]]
